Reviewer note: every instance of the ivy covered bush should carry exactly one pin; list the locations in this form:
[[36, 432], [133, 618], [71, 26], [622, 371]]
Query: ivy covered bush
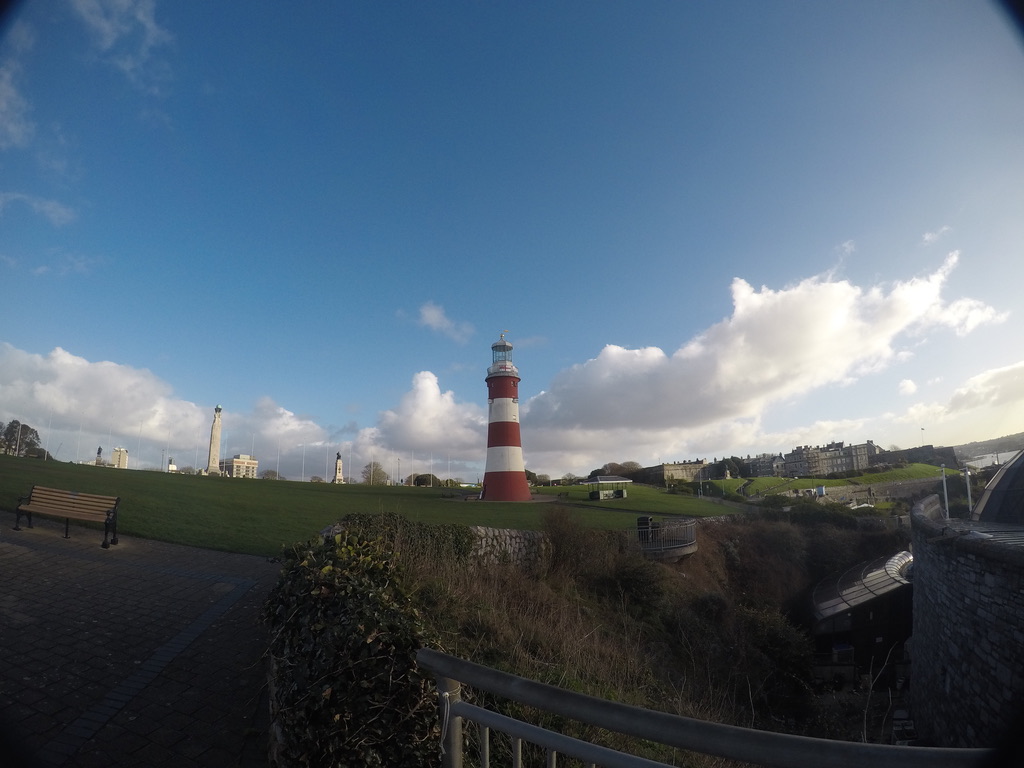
[[345, 687]]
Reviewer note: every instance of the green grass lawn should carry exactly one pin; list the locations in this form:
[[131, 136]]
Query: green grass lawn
[[909, 472], [260, 516]]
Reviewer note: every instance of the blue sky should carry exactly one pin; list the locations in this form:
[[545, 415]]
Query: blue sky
[[709, 228]]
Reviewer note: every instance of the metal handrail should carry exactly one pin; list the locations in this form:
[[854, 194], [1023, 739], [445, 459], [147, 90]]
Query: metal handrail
[[667, 533], [777, 750]]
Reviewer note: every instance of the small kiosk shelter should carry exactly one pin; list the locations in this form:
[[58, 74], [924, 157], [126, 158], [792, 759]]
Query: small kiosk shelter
[[608, 487]]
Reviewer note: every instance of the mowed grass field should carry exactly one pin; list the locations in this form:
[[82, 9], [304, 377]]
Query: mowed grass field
[[260, 517]]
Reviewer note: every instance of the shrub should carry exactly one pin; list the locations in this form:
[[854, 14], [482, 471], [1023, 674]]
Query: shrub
[[343, 643], [410, 538]]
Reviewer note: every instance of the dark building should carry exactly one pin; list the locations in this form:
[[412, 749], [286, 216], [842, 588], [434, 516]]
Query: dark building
[[863, 616]]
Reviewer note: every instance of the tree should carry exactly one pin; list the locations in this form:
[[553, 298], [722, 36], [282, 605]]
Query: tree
[[425, 481], [269, 474], [631, 469], [569, 478], [374, 474], [17, 438], [316, 479], [531, 477], [543, 479]]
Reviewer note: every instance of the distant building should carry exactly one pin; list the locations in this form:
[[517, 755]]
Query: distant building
[[822, 460], [675, 472], [119, 459], [242, 465], [766, 465]]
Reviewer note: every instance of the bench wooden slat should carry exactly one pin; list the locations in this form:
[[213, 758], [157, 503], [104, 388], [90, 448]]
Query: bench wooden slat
[[99, 515], [56, 502]]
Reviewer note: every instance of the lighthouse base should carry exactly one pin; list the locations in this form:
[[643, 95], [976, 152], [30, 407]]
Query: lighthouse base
[[505, 486]]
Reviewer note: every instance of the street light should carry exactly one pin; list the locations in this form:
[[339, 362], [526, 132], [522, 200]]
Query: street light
[[945, 493]]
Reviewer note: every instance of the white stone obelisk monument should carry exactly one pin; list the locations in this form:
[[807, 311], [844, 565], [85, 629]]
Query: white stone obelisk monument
[[213, 467]]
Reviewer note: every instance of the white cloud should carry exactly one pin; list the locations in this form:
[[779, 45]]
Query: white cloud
[[433, 316], [101, 397], [76, 404], [988, 404], [16, 129], [778, 346], [427, 418], [712, 395], [928, 238], [1001, 388], [58, 213], [126, 33], [907, 387]]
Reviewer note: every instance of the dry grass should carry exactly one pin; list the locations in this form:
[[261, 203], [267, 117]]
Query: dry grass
[[708, 638]]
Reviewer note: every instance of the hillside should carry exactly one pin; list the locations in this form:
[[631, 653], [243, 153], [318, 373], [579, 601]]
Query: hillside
[[719, 636], [1006, 444]]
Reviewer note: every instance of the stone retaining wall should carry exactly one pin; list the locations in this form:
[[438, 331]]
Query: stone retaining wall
[[527, 549], [967, 682]]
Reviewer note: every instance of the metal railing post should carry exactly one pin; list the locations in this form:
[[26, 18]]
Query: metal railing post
[[448, 694]]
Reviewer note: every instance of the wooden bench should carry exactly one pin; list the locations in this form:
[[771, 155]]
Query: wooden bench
[[53, 502]]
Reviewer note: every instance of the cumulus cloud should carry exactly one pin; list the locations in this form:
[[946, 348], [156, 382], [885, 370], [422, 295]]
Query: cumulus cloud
[[714, 393], [433, 316], [777, 346], [95, 397], [76, 404], [126, 33], [427, 418], [1000, 388]]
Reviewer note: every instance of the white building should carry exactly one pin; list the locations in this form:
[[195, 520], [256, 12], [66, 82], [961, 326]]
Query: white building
[[119, 459], [242, 465]]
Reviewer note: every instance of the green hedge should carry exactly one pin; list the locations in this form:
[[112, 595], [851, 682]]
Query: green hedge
[[344, 635]]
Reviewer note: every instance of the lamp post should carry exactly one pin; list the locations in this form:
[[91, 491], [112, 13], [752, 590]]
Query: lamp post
[[945, 493]]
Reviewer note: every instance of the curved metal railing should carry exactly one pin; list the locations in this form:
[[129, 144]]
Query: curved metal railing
[[764, 748]]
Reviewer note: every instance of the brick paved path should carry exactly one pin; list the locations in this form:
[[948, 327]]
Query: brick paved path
[[144, 654]]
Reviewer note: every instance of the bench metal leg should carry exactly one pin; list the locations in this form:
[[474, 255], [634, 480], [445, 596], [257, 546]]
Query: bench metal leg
[[67, 527], [109, 526], [17, 519]]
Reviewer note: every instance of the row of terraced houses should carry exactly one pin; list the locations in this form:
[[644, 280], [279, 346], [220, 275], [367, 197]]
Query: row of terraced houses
[[802, 461]]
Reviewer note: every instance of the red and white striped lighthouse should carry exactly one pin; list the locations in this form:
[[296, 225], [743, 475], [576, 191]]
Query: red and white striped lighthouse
[[505, 473]]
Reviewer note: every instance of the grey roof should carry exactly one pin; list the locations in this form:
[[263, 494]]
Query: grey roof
[[608, 479], [1003, 499], [860, 584]]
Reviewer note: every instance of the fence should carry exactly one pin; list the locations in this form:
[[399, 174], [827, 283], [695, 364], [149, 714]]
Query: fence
[[731, 742], [667, 540]]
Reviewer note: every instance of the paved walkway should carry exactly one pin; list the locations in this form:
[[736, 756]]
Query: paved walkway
[[143, 654]]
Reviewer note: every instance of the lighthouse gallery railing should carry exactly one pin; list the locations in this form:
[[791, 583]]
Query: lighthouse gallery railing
[[731, 742]]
